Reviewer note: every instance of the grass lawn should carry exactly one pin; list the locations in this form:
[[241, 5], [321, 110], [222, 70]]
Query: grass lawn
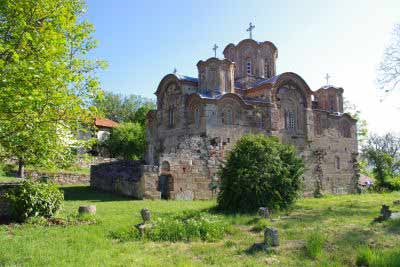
[[9, 179], [343, 221]]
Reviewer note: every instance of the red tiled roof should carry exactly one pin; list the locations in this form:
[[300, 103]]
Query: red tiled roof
[[102, 122]]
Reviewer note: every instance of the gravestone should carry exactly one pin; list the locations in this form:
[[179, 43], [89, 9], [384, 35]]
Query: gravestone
[[271, 237], [385, 212], [89, 209], [263, 212], [146, 215]]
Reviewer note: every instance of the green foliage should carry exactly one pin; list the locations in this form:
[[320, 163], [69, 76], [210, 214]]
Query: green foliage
[[186, 227], [315, 244], [362, 125], [383, 155], [260, 225], [127, 141], [121, 108], [260, 172], [376, 258], [33, 199], [46, 78]]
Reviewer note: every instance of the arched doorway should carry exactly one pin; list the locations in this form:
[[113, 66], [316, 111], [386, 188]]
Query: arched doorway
[[165, 185], [165, 181]]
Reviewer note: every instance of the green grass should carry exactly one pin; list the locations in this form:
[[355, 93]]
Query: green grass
[[9, 179], [345, 222]]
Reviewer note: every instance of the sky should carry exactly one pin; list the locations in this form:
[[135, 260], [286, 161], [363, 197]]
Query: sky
[[143, 41]]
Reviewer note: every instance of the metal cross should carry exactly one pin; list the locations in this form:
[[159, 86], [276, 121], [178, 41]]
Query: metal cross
[[215, 50], [250, 30], [175, 70], [327, 78]]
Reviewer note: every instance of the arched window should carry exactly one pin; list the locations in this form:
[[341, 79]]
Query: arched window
[[290, 119], [262, 121], [171, 120], [345, 129], [267, 71], [197, 117], [229, 119], [248, 67]]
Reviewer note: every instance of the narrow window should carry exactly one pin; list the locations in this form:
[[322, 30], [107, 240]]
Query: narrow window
[[229, 119], [222, 118], [197, 117], [171, 117], [262, 121], [248, 66], [292, 122], [331, 103], [337, 162]]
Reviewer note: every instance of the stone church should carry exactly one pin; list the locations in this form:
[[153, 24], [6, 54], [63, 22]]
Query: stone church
[[199, 119]]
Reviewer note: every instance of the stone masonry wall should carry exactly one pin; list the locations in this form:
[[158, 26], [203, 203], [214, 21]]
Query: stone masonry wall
[[60, 178], [121, 177]]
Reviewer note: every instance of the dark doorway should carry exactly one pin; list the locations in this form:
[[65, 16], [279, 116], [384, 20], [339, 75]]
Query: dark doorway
[[163, 186]]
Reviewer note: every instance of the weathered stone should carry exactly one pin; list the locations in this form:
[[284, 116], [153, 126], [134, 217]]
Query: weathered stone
[[201, 119], [146, 215], [263, 212], [184, 195], [89, 209], [386, 212], [271, 237]]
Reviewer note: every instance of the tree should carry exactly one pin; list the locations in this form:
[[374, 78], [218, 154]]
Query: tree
[[127, 141], [362, 125], [121, 108], [260, 172], [383, 155], [46, 77], [389, 69]]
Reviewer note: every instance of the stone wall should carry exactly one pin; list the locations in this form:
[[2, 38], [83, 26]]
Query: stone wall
[[60, 178], [121, 177]]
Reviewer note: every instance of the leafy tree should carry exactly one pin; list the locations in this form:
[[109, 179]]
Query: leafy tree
[[127, 141], [260, 172], [46, 77], [121, 108], [362, 125], [383, 155], [389, 69]]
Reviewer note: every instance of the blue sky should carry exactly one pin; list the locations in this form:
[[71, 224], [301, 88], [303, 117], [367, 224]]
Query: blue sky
[[145, 40]]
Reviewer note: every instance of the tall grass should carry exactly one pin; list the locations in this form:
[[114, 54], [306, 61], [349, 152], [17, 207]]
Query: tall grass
[[377, 257], [315, 244]]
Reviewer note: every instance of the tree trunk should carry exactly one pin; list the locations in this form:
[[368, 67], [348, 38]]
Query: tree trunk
[[21, 168]]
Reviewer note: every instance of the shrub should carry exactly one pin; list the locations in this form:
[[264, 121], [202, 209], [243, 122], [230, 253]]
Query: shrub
[[260, 172], [315, 245], [34, 199], [178, 228]]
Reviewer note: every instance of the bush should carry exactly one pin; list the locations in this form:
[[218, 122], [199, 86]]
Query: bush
[[178, 228], [260, 172], [315, 245], [33, 199]]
